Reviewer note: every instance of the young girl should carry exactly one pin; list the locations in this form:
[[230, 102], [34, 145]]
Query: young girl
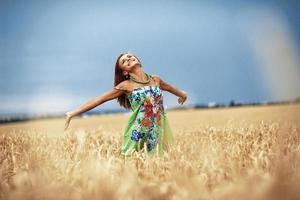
[[148, 127]]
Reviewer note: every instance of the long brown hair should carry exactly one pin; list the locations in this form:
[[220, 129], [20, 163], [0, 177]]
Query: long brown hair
[[119, 77]]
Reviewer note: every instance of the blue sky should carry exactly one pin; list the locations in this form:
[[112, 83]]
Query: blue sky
[[56, 55]]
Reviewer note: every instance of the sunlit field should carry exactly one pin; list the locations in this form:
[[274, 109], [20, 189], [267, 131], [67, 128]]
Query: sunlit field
[[226, 153]]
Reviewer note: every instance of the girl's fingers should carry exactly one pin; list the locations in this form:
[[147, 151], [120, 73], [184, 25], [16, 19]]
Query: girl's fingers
[[66, 126], [67, 123], [180, 101]]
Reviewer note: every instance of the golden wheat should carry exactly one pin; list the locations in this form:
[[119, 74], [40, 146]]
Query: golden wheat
[[251, 161]]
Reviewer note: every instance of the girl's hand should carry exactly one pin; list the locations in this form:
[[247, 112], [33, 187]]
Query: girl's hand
[[68, 118], [182, 99]]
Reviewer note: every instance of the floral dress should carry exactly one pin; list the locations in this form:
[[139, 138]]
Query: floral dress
[[148, 127]]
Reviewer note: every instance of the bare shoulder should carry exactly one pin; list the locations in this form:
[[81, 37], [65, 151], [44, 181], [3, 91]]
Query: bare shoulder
[[124, 85], [156, 78]]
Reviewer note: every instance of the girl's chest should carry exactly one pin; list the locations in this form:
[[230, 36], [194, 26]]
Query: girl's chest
[[150, 94]]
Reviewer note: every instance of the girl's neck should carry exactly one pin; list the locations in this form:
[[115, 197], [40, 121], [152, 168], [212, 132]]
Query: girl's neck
[[138, 74]]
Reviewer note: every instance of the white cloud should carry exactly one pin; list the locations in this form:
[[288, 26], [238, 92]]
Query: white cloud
[[275, 49], [49, 103], [39, 103]]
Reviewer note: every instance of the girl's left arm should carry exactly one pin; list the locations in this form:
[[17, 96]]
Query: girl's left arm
[[168, 87]]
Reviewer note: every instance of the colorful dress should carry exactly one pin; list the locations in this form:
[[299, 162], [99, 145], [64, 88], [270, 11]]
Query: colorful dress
[[148, 127]]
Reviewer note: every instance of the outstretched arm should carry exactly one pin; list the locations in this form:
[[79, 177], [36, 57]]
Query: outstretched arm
[[92, 103], [168, 87]]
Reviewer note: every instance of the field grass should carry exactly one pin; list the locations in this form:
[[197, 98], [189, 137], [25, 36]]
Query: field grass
[[226, 153]]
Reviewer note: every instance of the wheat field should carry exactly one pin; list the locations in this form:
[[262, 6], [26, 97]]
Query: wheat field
[[225, 153]]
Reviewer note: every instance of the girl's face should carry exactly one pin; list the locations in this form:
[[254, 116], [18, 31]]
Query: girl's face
[[127, 61]]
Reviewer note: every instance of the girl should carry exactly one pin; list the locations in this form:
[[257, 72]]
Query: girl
[[148, 126]]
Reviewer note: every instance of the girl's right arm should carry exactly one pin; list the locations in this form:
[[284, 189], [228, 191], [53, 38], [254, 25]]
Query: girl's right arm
[[92, 103]]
